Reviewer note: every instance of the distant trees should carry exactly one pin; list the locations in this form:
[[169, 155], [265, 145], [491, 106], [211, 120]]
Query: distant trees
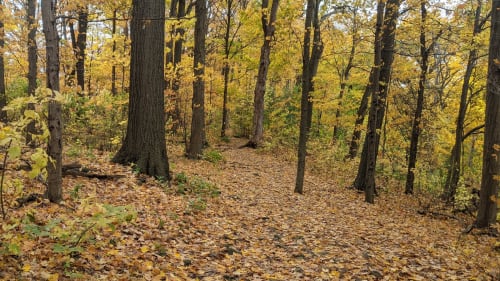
[[214, 71], [230, 31], [144, 143], [54, 147], [425, 54], [196, 141], [490, 181], [178, 10]]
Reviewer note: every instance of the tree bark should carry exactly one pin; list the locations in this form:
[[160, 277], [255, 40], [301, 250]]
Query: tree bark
[[360, 117], [344, 78], [371, 135], [174, 57], [81, 44], [144, 143], [32, 64], [198, 104], [490, 181], [369, 154], [310, 59], [416, 127], [268, 24], [55, 145], [453, 176], [113, 49], [3, 97], [227, 68]]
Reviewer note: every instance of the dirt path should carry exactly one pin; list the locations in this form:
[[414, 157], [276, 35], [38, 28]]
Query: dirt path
[[256, 229], [327, 234]]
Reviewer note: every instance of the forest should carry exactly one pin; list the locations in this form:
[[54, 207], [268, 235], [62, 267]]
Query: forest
[[249, 140]]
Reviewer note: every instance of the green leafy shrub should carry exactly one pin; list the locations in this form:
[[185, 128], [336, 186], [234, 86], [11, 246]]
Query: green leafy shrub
[[213, 156], [197, 190]]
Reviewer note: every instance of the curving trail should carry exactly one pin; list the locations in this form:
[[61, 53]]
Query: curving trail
[[327, 234], [256, 229]]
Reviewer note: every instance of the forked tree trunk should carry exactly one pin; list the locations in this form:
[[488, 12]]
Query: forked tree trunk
[[198, 104], [371, 134], [144, 143], [310, 59], [268, 24], [368, 160], [54, 148], [490, 182]]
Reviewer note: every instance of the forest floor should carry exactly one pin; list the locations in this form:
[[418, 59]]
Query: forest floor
[[233, 220]]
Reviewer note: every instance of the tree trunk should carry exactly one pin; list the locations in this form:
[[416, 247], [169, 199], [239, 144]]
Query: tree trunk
[[310, 61], [268, 25], [198, 105], [32, 64], [174, 57], [54, 148], [81, 43], [490, 182], [453, 176], [360, 116], [344, 77], [371, 134], [113, 49], [3, 97], [125, 88], [369, 154], [144, 143], [226, 70], [416, 128]]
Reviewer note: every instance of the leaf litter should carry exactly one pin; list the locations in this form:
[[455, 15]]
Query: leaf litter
[[255, 229]]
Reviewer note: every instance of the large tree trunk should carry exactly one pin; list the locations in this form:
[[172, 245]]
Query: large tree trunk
[[268, 24], [310, 59], [3, 97], [452, 179], [416, 128], [369, 154], [32, 64], [198, 105], [54, 148], [490, 182], [144, 143]]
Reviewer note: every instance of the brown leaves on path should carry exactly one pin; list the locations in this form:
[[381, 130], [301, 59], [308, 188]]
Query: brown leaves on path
[[256, 229]]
